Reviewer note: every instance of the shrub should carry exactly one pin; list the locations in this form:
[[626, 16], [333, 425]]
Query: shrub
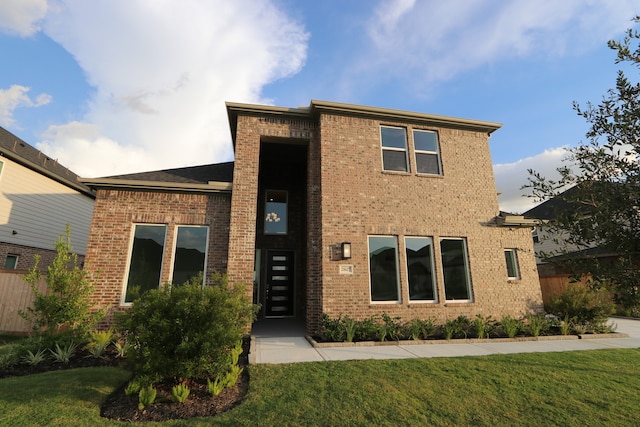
[[146, 397], [36, 358], [510, 326], [67, 304], [391, 328], [186, 331], [456, 328], [581, 305], [482, 327], [180, 392], [366, 330], [63, 354], [331, 329], [98, 342], [421, 328], [350, 328], [537, 324]]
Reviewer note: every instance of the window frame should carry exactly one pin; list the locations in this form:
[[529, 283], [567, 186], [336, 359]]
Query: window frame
[[467, 270], [436, 153], [175, 247], [384, 148], [125, 285], [511, 254], [434, 286], [15, 257], [398, 299]]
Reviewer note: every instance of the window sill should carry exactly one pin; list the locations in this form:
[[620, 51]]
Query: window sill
[[423, 304], [458, 304], [401, 173], [373, 304], [430, 175]]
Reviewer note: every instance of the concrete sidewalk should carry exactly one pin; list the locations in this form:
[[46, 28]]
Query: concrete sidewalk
[[288, 345]]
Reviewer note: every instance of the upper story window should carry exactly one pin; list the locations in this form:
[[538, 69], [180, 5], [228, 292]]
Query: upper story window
[[535, 236], [394, 149], [427, 152], [275, 217], [512, 264]]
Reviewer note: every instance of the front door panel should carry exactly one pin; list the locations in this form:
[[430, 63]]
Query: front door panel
[[279, 284]]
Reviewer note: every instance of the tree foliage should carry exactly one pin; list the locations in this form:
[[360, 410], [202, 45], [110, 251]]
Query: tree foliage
[[602, 207], [66, 305]]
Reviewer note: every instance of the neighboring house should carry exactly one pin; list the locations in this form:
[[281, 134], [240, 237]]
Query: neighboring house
[[333, 208], [38, 198]]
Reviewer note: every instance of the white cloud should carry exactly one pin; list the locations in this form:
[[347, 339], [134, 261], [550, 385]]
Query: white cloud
[[510, 177], [162, 72], [15, 97], [434, 41], [21, 17]]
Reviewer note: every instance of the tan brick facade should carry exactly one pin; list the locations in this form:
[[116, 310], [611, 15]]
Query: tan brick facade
[[328, 160]]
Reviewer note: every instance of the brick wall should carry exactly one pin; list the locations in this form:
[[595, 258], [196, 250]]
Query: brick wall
[[359, 199], [26, 255], [111, 231]]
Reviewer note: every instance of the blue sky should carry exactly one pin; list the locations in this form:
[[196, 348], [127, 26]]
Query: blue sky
[[118, 86]]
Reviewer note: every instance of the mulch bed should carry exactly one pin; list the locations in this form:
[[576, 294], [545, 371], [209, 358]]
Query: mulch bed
[[119, 406]]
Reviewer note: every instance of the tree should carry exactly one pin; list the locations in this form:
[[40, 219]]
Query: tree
[[602, 208], [66, 306]]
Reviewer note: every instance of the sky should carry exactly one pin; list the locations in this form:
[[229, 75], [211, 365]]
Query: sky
[[110, 87]]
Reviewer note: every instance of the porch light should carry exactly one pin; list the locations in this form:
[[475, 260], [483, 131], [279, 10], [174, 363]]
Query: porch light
[[346, 250]]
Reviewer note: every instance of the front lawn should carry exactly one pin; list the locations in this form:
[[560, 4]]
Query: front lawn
[[577, 388]]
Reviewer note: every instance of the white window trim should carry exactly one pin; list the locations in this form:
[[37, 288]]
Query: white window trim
[[466, 266], [389, 302], [175, 244], [436, 153], [514, 258], [405, 150], [434, 280], [132, 233]]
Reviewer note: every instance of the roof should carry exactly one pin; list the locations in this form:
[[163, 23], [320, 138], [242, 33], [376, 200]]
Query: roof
[[215, 177], [19, 151], [317, 107]]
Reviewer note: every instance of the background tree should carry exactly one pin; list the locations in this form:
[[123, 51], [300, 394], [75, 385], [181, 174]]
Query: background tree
[[602, 209]]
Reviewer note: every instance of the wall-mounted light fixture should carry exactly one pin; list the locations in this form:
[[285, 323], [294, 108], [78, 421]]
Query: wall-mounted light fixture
[[346, 250]]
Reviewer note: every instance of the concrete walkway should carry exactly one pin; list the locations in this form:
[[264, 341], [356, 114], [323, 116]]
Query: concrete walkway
[[285, 343]]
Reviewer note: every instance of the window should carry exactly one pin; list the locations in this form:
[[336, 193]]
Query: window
[[512, 264], [427, 153], [535, 235], [275, 221], [383, 268], [11, 262], [394, 149], [419, 252], [145, 263], [190, 253], [455, 269]]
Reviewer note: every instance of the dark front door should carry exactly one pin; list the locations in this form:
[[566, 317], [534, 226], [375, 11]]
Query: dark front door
[[279, 285]]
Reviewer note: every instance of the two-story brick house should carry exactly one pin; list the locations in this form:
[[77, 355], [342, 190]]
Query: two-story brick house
[[333, 208]]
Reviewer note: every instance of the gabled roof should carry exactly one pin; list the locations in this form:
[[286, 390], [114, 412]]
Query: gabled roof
[[17, 150], [206, 178]]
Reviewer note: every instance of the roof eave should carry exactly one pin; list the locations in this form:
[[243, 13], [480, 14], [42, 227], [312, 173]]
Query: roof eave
[[124, 184]]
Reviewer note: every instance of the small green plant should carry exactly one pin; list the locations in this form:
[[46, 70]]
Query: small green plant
[[146, 397], [481, 326], [63, 354], [99, 341], [331, 329], [122, 347], [350, 328], [132, 388], [537, 324], [420, 328], [565, 326], [232, 375], [216, 386], [511, 326], [180, 392], [366, 330], [36, 358], [390, 328], [456, 328], [8, 359]]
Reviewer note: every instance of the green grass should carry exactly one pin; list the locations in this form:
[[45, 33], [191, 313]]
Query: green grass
[[578, 388]]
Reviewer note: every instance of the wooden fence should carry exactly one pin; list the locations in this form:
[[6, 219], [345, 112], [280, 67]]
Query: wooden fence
[[15, 295], [551, 285]]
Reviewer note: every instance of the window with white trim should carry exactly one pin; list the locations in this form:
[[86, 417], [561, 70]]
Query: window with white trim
[[419, 251], [11, 262], [190, 253], [511, 259], [455, 269], [427, 151], [145, 260], [383, 269], [394, 149]]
